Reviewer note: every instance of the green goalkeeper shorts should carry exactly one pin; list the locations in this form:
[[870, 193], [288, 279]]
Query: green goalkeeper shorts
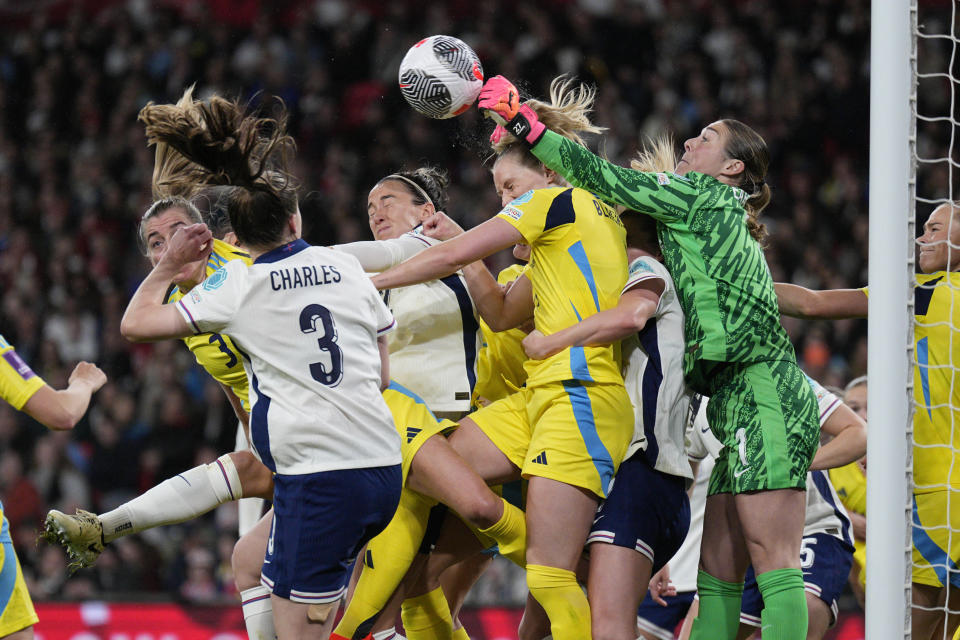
[[766, 416]]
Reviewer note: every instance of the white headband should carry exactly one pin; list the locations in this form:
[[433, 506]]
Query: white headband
[[418, 188]]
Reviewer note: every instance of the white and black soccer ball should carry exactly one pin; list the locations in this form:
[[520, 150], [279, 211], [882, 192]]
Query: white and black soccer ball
[[441, 76]]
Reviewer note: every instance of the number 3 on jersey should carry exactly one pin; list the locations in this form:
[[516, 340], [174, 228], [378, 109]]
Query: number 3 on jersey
[[309, 318]]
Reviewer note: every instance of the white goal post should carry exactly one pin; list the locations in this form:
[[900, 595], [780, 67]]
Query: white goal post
[[890, 369]]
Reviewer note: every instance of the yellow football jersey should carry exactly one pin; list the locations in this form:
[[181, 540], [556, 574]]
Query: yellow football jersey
[[936, 382], [18, 382], [501, 357], [851, 486], [215, 352], [577, 268]]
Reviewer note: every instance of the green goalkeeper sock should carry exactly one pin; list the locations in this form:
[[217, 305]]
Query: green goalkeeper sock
[[784, 615], [719, 616]]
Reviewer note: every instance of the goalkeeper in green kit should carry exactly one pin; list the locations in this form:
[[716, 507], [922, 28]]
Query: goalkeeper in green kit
[[737, 353]]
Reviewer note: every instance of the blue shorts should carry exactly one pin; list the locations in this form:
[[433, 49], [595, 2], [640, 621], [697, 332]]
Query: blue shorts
[[320, 522], [826, 562], [659, 621], [646, 510]]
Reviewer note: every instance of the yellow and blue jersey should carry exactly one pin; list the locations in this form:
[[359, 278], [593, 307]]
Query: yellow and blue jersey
[[500, 361], [577, 268], [936, 385], [18, 382], [216, 352], [851, 485]]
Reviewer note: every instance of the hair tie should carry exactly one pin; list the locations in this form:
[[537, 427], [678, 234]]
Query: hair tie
[[418, 188]]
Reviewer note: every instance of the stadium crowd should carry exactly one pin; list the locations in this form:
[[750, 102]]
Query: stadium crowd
[[75, 174]]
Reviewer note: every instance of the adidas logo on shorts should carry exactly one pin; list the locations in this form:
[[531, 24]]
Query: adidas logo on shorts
[[412, 433], [541, 458]]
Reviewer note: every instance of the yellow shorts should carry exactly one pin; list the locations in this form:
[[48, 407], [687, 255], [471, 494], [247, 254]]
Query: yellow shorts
[[18, 610], [572, 432], [860, 560], [936, 538], [414, 422]]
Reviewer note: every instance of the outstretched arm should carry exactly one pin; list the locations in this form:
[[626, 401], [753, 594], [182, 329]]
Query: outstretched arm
[[849, 441], [147, 318], [829, 304], [661, 195], [665, 196], [451, 256], [634, 308], [62, 410], [378, 255]]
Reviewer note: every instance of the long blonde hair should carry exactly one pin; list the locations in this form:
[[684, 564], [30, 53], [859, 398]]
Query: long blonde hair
[[657, 156], [567, 113], [169, 165]]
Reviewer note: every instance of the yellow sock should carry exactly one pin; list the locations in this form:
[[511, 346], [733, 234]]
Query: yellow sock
[[427, 617], [510, 532], [460, 634], [385, 563], [562, 598]]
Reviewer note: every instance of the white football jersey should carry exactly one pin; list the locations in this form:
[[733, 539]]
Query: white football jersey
[[433, 352], [306, 321], [825, 512], [653, 376], [702, 447]]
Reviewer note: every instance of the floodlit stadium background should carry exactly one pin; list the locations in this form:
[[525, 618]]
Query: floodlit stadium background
[[75, 172]]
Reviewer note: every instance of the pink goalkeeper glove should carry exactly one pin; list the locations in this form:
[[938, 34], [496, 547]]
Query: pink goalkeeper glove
[[500, 101]]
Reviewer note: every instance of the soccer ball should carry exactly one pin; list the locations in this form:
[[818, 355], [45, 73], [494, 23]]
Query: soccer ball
[[440, 76]]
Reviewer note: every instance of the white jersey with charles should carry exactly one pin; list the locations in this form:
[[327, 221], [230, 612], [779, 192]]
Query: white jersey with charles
[[434, 349], [306, 320], [653, 375]]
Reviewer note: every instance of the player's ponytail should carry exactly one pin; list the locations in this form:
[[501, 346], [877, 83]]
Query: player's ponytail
[[222, 145], [657, 156], [746, 145], [567, 114], [170, 168]]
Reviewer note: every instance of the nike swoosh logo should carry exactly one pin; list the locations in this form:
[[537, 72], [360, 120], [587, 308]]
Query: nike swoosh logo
[[737, 474], [597, 519]]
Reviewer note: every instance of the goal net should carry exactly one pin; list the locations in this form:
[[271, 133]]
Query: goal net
[[930, 585], [935, 432]]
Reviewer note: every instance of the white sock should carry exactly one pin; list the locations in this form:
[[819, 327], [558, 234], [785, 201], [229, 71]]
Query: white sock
[[258, 613], [249, 512], [389, 634], [178, 499]]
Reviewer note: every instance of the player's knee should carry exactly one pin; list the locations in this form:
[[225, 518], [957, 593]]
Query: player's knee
[[484, 509], [603, 628], [533, 627], [255, 478], [767, 554], [246, 565], [319, 613]]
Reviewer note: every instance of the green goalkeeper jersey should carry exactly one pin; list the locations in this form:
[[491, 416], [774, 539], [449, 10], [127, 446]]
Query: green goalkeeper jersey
[[723, 281]]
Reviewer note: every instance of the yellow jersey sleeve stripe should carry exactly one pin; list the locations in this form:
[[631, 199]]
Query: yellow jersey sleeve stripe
[[18, 382]]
